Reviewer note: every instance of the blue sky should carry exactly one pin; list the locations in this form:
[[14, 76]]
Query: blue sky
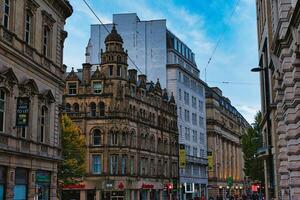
[[199, 23]]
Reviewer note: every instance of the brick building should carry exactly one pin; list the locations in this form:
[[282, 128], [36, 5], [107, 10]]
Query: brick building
[[130, 126]]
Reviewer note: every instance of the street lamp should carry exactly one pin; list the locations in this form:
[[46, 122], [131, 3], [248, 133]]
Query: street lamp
[[267, 110], [257, 69]]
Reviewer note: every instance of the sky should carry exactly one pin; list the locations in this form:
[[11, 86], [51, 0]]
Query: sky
[[198, 23]]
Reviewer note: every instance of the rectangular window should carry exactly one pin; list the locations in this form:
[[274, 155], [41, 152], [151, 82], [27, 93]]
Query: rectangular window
[[200, 106], [43, 124], [131, 165], [97, 164], [194, 118], [201, 122], [46, 41], [195, 151], [119, 70], [97, 87], [113, 162], [180, 113], [2, 182], [6, 14], [188, 149], [187, 115], [123, 167], [111, 70], [28, 21], [186, 98], [187, 134], [194, 136], [179, 94], [194, 104], [72, 87], [202, 138], [2, 109]]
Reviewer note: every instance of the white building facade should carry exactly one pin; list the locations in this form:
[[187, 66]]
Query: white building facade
[[160, 54]]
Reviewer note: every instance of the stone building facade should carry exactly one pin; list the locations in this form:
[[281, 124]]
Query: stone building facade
[[31, 75], [278, 33], [225, 126], [130, 126]]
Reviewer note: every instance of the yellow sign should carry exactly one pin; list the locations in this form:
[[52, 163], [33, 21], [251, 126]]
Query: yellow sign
[[210, 161], [182, 156]]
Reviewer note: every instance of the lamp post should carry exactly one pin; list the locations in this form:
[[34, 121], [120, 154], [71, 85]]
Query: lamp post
[[268, 142]]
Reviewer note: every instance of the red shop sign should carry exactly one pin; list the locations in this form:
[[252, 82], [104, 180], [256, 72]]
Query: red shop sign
[[147, 186], [74, 186]]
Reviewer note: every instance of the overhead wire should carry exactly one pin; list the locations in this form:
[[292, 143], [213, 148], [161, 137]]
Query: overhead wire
[[94, 13], [221, 37]]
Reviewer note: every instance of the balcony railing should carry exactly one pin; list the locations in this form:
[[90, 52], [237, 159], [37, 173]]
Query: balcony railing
[[194, 159]]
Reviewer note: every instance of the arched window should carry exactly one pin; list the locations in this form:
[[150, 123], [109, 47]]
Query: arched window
[[96, 137], [76, 107], [124, 139], [43, 122], [119, 58], [159, 145], [68, 107], [152, 142], [113, 138], [2, 109], [133, 139], [166, 146], [93, 109], [102, 108]]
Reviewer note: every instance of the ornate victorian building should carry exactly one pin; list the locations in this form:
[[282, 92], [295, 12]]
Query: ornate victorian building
[[225, 126], [130, 127], [31, 86], [278, 27]]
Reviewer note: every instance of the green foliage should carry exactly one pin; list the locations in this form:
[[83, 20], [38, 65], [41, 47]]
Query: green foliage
[[72, 168], [254, 167]]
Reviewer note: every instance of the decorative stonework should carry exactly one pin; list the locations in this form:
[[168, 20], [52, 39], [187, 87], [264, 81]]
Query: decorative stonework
[[48, 20]]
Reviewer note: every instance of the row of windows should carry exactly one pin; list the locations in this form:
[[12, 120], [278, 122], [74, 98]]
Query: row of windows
[[125, 165], [193, 151], [93, 109], [195, 136], [43, 119], [97, 87], [195, 170], [191, 83], [28, 27], [144, 141], [200, 121], [194, 100]]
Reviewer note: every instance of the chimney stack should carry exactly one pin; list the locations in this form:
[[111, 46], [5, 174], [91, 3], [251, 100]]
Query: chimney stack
[[132, 75], [86, 73]]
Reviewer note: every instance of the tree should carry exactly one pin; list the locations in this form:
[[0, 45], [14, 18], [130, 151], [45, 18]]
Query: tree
[[251, 141], [72, 168]]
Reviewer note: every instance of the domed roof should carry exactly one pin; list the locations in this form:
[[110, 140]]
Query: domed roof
[[114, 36]]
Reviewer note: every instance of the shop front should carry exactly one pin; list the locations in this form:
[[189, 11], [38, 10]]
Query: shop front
[[43, 181], [2, 182], [21, 181]]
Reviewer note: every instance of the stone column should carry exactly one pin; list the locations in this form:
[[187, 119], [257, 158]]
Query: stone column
[[229, 160], [10, 183], [98, 196], [221, 168], [138, 194], [82, 195], [31, 185], [225, 160]]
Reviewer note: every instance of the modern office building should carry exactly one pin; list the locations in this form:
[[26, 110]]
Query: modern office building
[[279, 62], [130, 125], [225, 127], [160, 54], [31, 87]]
